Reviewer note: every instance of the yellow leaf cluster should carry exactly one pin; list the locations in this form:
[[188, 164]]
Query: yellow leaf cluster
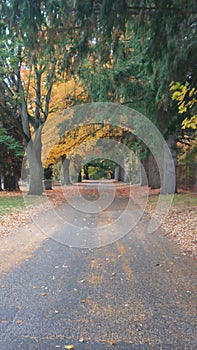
[[190, 123], [83, 137], [186, 98], [66, 94]]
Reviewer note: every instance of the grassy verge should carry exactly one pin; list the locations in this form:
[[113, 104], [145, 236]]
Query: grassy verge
[[180, 200], [10, 204]]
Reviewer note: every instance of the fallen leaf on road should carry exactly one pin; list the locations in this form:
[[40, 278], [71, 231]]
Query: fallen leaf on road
[[112, 343], [19, 322], [81, 340], [4, 321], [69, 347], [44, 294]]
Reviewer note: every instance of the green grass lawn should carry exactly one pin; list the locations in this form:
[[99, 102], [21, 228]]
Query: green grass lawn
[[11, 203], [183, 200], [180, 200]]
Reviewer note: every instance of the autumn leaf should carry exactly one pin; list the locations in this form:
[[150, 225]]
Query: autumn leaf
[[112, 343], [4, 321], [19, 322]]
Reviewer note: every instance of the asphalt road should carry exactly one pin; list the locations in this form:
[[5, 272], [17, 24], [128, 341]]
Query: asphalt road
[[138, 292]]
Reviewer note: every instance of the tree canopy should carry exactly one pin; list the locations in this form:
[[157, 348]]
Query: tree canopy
[[35, 46], [124, 51]]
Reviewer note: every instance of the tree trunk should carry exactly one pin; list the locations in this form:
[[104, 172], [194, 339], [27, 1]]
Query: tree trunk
[[66, 172], [116, 173], [48, 184], [34, 150], [120, 174], [143, 175], [48, 174], [11, 183], [35, 178], [152, 172], [169, 183], [79, 176], [86, 174], [77, 168]]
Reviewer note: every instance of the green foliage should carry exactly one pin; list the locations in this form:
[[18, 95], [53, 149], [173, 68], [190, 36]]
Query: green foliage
[[36, 48], [11, 151], [137, 51], [126, 52], [101, 169], [10, 143]]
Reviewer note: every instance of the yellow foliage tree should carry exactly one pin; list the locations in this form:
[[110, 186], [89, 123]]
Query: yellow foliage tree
[[66, 94], [186, 97], [57, 146]]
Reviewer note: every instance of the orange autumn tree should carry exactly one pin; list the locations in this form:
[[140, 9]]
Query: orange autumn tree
[[65, 94], [77, 143]]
